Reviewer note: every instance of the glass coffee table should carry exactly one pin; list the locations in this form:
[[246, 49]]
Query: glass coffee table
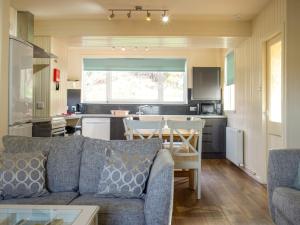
[[48, 215]]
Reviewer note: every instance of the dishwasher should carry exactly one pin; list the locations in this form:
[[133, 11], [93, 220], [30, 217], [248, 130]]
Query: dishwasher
[[98, 128]]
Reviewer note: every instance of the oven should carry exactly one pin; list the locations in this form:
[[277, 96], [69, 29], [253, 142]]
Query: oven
[[53, 127]]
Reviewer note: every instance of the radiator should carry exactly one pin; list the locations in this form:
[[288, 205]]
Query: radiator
[[235, 146]]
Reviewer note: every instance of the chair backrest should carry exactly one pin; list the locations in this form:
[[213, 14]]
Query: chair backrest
[[151, 118], [176, 118], [144, 129], [126, 134], [188, 134]]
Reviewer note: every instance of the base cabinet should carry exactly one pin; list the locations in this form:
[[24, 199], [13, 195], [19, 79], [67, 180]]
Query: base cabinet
[[214, 138]]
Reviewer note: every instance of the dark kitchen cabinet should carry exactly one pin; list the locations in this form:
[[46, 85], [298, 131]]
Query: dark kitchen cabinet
[[214, 138], [117, 129], [206, 83]]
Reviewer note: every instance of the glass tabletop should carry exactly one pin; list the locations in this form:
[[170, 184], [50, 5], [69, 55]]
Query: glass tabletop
[[11, 216]]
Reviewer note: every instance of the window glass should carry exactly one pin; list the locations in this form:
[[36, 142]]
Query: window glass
[[94, 86], [166, 83]]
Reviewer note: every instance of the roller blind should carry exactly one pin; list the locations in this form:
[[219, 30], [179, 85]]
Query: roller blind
[[230, 69], [134, 64]]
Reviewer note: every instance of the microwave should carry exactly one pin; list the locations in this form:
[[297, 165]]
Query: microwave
[[208, 108]]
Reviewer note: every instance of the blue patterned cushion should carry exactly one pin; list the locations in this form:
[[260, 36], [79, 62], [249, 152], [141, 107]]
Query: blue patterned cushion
[[297, 180], [124, 175], [22, 175]]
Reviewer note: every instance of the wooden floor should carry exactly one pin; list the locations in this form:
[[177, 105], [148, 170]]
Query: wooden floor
[[229, 197]]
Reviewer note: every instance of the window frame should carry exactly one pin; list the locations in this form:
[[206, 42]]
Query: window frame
[[128, 101], [231, 87]]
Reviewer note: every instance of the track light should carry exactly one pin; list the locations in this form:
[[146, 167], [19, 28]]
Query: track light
[[112, 15], [148, 18], [140, 9], [129, 14], [165, 17]]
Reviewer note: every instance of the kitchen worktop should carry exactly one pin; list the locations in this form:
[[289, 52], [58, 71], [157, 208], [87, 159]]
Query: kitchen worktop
[[135, 115]]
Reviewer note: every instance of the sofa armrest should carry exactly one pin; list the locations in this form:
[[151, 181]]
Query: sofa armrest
[[282, 171], [159, 196]]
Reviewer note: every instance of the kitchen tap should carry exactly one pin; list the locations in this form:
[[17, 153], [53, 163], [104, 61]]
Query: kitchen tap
[[140, 109]]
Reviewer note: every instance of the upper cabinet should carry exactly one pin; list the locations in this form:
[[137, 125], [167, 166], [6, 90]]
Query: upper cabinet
[[206, 83]]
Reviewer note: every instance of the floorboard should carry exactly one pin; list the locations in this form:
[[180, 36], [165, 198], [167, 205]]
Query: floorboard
[[229, 197]]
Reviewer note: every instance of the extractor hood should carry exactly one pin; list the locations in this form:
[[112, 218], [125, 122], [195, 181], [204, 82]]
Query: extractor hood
[[40, 53], [25, 24]]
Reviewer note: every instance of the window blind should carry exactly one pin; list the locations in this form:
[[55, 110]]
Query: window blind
[[134, 64], [230, 69]]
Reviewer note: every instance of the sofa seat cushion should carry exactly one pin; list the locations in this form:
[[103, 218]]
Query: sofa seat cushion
[[59, 198], [115, 211], [287, 201]]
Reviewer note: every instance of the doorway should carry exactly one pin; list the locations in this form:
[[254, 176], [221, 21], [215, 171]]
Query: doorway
[[274, 85]]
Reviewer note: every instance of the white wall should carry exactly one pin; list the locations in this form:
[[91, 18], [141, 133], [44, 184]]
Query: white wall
[[4, 38], [293, 74], [196, 57], [250, 87]]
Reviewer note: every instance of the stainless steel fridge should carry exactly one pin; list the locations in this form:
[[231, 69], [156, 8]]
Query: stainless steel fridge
[[20, 87]]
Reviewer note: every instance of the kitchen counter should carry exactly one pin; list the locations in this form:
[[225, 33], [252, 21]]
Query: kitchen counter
[[136, 116]]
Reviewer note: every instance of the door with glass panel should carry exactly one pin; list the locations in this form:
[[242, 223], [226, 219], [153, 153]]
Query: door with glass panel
[[274, 92]]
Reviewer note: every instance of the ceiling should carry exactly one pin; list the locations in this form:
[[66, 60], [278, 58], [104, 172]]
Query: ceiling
[[179, 9]]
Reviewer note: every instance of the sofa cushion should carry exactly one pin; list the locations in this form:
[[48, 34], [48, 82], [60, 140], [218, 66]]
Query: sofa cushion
[[15, 144], [22, 175], [94, 157], [63, 165], [297, 179], [92, 163], [125, 174], [115, 211], [59, 198], [287, 201]]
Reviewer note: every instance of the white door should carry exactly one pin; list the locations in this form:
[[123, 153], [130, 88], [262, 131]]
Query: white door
[[274, 92]]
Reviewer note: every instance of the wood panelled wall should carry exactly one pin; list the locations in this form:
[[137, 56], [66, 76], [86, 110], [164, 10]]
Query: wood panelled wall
[[250, 87], [55, 101]]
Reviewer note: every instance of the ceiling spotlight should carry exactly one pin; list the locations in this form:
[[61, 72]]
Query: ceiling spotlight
[[148, 18], [165, 17], [123, 49], [129, 14], [112, 15]]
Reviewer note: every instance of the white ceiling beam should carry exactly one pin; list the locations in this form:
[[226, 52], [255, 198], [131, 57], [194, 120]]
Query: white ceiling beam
[[69, 28]]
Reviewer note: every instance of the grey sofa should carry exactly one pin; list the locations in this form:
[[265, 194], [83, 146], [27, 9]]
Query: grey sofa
[[73, 168], [284, 201]]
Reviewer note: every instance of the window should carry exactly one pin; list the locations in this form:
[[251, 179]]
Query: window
[[134, 80], [229, 90]]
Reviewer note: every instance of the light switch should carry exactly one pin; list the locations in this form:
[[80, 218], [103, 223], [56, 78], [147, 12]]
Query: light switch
[[40, 105]]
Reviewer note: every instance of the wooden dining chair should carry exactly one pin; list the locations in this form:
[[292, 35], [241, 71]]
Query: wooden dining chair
[[187, 149], [143, 129]]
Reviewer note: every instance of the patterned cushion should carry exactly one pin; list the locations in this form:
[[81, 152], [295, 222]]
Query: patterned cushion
[[22, 175], [124, 174]]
